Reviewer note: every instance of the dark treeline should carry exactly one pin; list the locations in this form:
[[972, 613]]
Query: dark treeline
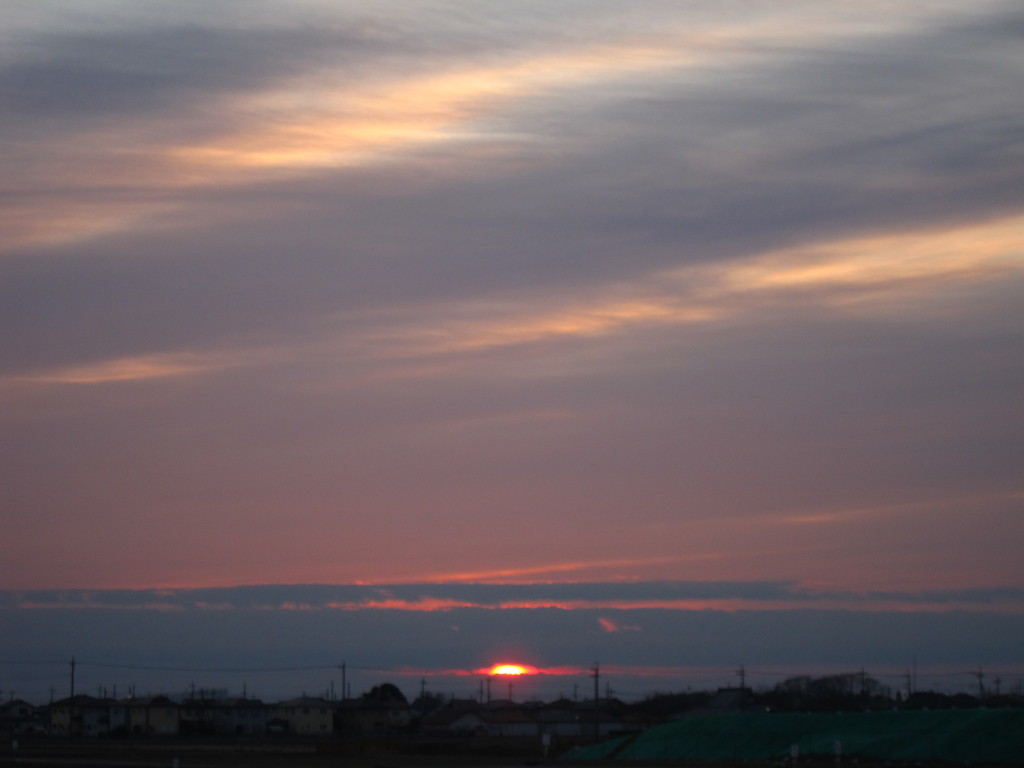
[[384, 711]]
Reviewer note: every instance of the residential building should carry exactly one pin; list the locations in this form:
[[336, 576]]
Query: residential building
[[240, 716], [382, 711], [153, 716], [305, 716], [19, 718]]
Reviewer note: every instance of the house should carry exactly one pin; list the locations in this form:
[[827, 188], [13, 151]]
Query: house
[[383, 711], [602, 721], [19, 718], [119, 716], [230, 716], [559, 718], [197, 717], [304, 716], [152, 716], [79, 715], [510, 721], [455, 717], [240, 716]]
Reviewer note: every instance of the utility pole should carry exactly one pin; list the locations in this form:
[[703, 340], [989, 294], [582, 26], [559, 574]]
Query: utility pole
[[71, 701], [597, 701], [742, 672], [344, 688], [981, 682]]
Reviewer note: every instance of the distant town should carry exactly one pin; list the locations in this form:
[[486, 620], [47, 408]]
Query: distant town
[[384, 712]]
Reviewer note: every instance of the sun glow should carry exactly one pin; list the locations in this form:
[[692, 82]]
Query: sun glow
[[511, 669]]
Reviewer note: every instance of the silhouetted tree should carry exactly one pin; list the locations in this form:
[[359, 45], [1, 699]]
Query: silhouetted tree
[[385, 692], [833, 693]]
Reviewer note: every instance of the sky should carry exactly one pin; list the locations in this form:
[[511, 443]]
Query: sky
[[715, 302]]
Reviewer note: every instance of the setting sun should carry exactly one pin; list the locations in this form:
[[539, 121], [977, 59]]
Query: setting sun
[[511, 669]]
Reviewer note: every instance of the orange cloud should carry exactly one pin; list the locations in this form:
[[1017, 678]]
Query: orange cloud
[[317, 120], [140, 368], [392, 604], [87, 605], [922, 506], [846, 275], [842, 274], [925, 257], [130, 173], [512, 575], [311, 122]]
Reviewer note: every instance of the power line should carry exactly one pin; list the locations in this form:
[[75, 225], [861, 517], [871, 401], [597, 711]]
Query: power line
[[145, 668], [161, 668], [173, 668]]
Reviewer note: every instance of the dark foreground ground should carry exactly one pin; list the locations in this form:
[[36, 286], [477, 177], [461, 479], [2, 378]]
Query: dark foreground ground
[[269, 754], [176, 754]]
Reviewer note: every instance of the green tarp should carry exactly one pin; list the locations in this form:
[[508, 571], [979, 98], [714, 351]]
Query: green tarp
[[965, 736]]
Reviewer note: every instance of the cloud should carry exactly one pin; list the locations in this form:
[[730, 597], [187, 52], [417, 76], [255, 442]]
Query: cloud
[[608, 625], [576, 596], [621, 292], [839, 517], [856, 275], [136, 369], [276, 650], [325, 96]]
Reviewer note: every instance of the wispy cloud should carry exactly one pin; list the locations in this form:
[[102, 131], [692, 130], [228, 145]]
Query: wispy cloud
[[926, 507], [132, 369], [356, 96], [310, 122], [581, 596], [864, 267], [622, 291], [512, 575], [850, 275], [321, 120], [609, 625]]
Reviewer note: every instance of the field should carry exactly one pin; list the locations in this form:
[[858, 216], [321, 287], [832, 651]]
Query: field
[[178, 754], [263, 754]]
